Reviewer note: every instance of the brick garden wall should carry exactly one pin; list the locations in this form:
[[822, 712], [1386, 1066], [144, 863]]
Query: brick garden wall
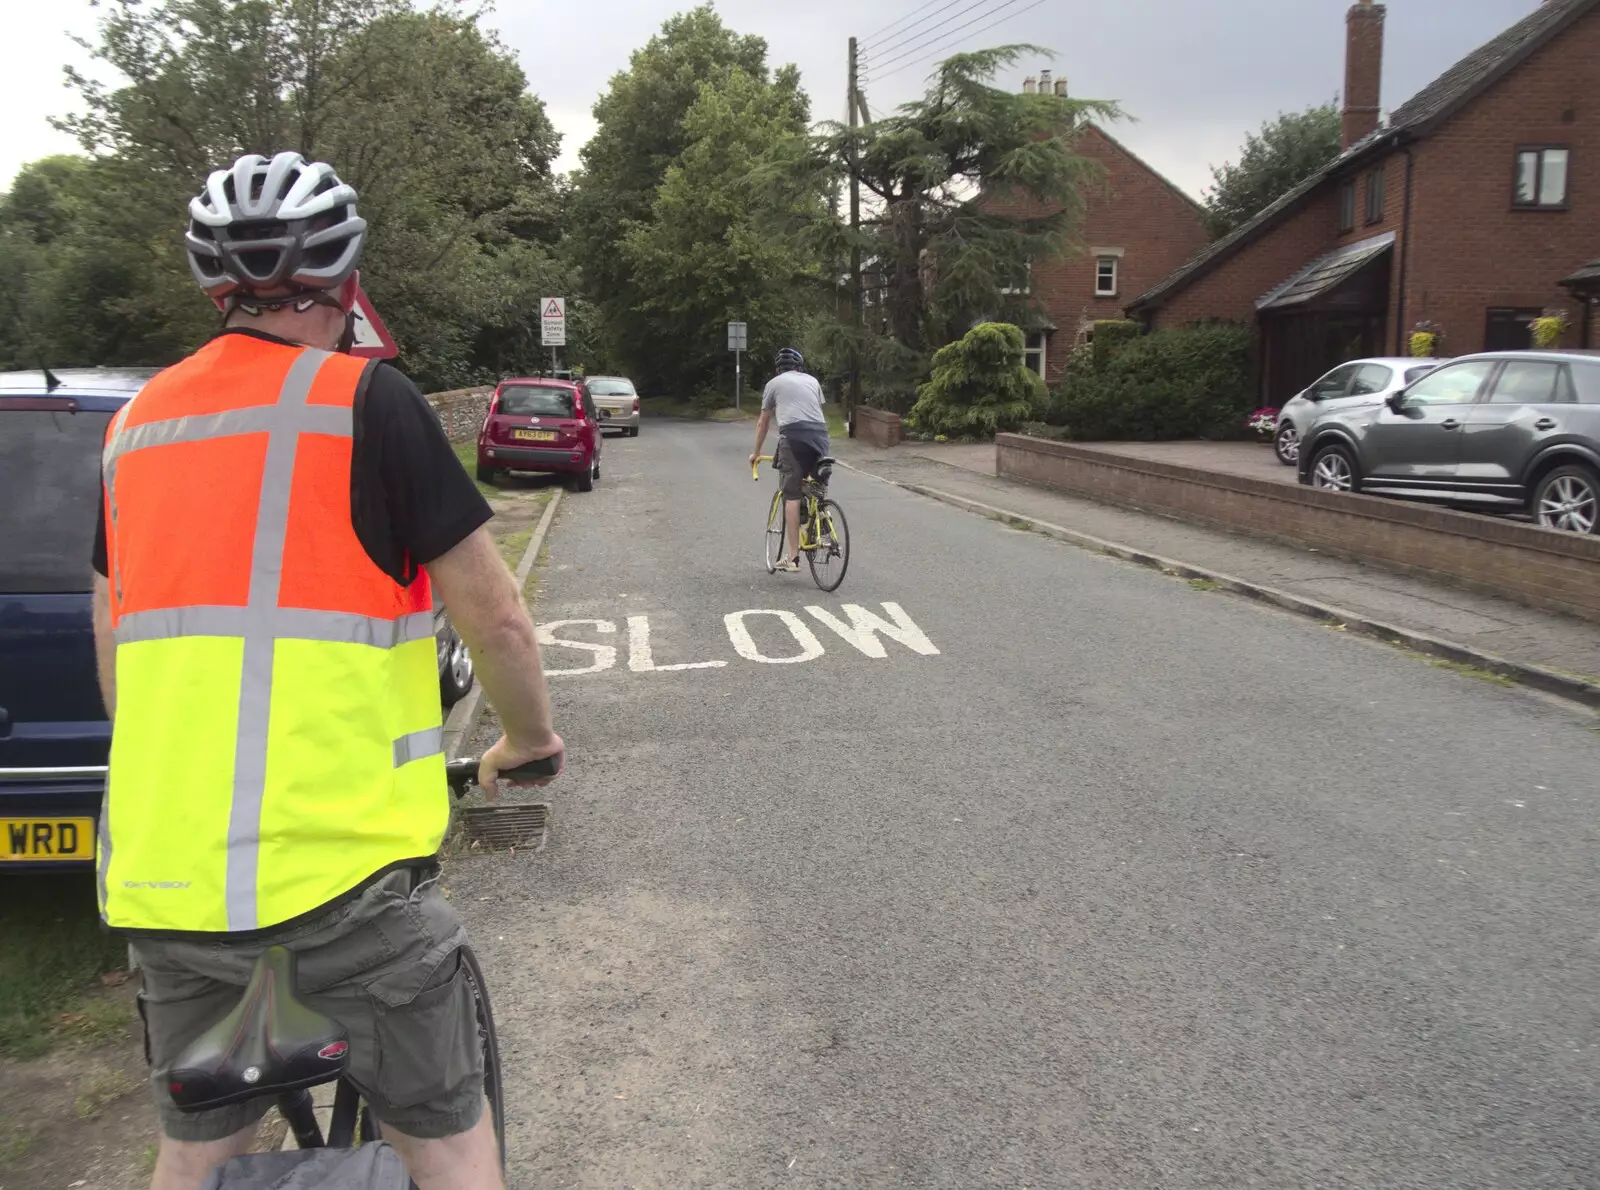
[[1541, 567], [461, 410]]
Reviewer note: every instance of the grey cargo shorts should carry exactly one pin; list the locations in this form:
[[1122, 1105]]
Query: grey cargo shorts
[[386, 965]]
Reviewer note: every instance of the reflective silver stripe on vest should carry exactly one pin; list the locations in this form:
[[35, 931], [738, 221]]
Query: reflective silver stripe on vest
[[333, 420], [285, 623], [255, 683], [417, 745]]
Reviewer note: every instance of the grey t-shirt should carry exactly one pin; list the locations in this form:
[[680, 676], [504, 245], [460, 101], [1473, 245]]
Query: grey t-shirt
[[798, 399]]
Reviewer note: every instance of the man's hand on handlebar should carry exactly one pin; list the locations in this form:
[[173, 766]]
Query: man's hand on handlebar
[[505, 757]]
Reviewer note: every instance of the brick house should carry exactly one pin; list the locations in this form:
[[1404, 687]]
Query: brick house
[[1136, 227], [1475, 207]]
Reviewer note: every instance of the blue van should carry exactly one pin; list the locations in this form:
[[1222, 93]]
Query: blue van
[[54, 736]]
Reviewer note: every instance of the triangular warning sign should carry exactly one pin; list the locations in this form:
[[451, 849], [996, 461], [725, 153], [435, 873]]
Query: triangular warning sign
[[554, 310], [373, 340]]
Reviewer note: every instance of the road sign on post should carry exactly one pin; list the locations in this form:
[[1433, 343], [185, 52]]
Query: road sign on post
[[373, 340], [738, 342], [553, 325]]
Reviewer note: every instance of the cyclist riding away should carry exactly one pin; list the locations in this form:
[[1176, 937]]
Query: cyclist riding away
[[276, 516], [796, 398]]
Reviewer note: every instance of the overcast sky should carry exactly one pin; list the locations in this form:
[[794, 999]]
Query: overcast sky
[[1195, 75]]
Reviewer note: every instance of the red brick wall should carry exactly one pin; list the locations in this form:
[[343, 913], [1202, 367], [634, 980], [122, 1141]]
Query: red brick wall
[[1133, 208], [1229, 290], [1469, 249], [1536, 566]]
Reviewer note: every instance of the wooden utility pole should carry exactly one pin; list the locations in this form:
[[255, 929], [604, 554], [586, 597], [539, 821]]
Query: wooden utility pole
[[856, 311]]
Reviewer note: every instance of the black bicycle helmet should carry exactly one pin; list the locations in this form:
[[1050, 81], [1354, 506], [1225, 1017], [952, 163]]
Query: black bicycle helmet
[[265, 227], [789, 360]]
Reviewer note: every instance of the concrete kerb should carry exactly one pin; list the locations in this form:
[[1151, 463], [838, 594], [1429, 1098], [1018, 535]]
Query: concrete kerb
[[464, 716], [1569, 686]]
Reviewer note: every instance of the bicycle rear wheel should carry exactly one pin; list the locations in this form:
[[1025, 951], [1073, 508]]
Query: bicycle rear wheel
[[775, 533], [831, 558], [493, 1092]]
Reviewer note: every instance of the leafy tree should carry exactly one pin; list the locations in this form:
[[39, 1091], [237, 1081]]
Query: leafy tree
[[961, 187], [426, 114], [981, 385], [642, 134], [1284, 153], [709, 253]]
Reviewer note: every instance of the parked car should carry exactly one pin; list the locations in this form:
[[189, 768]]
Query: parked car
[[617, 402], [1357, 384], [542, 425], [1501, 430], [54, 735], [455, 659]]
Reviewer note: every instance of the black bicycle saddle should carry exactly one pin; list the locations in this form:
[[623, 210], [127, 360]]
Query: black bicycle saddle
[[268, 1044]]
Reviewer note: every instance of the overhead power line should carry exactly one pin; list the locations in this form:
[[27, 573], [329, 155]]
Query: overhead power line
[[955, 38], [901, 21], [918, 30], [931, 35]]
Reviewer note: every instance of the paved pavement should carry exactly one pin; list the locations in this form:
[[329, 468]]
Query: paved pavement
[[1124, 885], [1496, 626]]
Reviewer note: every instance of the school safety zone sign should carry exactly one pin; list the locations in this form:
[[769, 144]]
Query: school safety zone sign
[[553, 321], [766, 636]]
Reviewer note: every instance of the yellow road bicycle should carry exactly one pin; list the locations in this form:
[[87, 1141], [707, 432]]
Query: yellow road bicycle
[[824, 533]]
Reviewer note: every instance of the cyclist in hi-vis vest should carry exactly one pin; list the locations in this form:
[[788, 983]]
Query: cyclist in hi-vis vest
[[276, 517]]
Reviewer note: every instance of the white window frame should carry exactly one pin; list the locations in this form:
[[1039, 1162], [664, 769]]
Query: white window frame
[[1027, 281], [1101, 256], [1042, 351]]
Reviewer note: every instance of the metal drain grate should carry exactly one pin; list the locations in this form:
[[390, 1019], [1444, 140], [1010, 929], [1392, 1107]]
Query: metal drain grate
[[504, 828]]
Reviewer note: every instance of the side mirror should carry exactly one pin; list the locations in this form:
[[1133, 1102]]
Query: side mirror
[[1396, 400]]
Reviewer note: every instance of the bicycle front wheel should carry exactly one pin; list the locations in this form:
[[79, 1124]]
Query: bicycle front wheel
[[831, 558], [775, 533], [493, 1092]]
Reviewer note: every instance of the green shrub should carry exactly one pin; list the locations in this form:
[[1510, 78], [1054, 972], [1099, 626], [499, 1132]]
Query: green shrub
[[1192, 382], [1111, 335], [980, 385]]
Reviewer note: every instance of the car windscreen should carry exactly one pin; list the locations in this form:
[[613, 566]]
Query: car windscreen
[[533, 400], [49, 494], [611, 388]]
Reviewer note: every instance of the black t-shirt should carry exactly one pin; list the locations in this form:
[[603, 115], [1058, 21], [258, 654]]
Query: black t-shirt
[[411, 501]]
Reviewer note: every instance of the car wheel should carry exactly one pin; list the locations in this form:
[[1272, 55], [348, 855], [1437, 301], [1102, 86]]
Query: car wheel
[[1569, 499], [1286, 445], [486, 474], [586, 480], [633, 431], [457, 677], [1334, 470]]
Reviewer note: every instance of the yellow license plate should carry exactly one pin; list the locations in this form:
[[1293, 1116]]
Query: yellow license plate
[[46, 838], [535, 435]]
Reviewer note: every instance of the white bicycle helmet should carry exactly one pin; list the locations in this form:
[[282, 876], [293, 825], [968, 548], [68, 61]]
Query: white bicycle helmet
[[265, 227]]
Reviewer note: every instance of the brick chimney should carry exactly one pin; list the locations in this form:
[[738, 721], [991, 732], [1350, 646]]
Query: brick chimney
[[1363, 71], [1061, 88], [1029, 85], [1044, 82]]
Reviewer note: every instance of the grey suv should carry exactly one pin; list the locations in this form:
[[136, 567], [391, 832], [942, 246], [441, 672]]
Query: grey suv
[[1503, 430]]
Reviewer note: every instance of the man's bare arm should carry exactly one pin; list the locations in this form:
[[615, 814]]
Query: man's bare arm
[[105, 646], [487, 609], [761, 432]]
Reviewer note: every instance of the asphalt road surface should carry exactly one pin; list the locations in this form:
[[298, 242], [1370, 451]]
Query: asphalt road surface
[[1089, 878]]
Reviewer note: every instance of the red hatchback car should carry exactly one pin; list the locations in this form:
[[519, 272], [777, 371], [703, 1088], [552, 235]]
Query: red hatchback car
[[541, 425]]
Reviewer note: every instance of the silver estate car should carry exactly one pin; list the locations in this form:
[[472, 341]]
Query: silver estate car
[[1510, 430], [1359, 383], [617, 403]]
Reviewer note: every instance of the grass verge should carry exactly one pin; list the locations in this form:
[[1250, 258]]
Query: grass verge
[[53, 952]]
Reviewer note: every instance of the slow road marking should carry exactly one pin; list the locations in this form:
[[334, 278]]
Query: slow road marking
[[787, 639]]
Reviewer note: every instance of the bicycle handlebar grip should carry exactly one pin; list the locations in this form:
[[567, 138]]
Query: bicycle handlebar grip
[[536, 770]]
